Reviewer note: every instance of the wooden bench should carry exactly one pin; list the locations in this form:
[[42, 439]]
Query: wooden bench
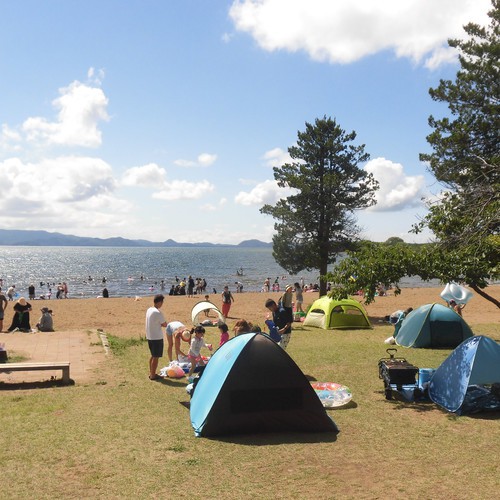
[[29, 367]]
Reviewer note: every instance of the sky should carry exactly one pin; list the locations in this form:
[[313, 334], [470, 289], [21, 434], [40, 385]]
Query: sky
[[158, 119]]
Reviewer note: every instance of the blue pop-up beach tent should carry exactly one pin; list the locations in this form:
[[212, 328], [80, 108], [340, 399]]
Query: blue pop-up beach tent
[[251, 385], [458, 384], [433, 325]]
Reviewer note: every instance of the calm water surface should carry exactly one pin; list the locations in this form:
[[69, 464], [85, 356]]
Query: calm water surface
[[83, 269]]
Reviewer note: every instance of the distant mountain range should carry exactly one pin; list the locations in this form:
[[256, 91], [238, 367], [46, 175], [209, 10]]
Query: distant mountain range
[[17, 237]]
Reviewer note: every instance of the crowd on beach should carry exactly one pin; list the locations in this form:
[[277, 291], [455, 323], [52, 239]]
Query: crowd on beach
[[190, 286], [140, 284], [275, 285], [21, 316]]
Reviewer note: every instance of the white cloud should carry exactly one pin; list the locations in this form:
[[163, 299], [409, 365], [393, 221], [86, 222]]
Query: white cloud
[[222, 233], [208, 207], [64, 192], [206, 159], [397, 190], [203, 160], [183, 190], [247, 182], [277, 157], [153, 176], [10, 139], [344, 31], [185, 163], [81, 108], [150, 175], [95, 76], [264, 192]]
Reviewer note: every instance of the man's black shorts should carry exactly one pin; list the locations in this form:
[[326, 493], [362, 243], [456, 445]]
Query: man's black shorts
[[156, 348]]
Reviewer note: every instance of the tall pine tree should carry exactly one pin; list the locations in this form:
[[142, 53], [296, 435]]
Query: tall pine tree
[[317, 222]]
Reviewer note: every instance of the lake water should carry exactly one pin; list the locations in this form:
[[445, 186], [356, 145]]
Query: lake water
[[124, 267]]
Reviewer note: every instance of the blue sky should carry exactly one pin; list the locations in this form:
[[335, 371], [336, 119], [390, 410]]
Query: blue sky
[[162, 119]]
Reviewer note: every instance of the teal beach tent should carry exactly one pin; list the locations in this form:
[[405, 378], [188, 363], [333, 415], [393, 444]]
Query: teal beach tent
[[433, 325], [251, 385], [458, 384]]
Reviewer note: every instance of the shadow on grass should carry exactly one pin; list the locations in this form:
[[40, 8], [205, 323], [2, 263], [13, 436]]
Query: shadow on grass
[[171, 382], [277, 438], [399, 402], [379, 321], [485, 415], [46, 384], [349, 406], [273, 438]]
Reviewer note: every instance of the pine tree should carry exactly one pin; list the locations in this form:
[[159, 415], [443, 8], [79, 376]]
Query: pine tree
[[317, 222]]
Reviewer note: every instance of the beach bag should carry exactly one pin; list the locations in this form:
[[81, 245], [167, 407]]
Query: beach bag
[[273, 331], [174, 370]]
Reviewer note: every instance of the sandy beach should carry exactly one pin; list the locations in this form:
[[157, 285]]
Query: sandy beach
[[125, 316]]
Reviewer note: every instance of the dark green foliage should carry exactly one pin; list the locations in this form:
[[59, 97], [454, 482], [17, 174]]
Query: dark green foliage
[[375, 264], [317, 222], [394, 240], [465, 157]]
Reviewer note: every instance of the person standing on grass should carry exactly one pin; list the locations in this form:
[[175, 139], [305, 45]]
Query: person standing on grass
[[287, 300], [281, 319], [299, 297], [154, 334], [174, 336], [227, 298]]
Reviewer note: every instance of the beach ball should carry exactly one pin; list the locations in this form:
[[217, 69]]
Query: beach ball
[[186, 336]]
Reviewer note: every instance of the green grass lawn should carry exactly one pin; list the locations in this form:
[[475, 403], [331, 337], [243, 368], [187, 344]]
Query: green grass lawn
[[126, 436]]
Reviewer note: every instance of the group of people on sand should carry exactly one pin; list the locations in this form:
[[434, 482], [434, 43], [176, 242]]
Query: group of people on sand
[[176, 332], [21, 317], [190, 286]]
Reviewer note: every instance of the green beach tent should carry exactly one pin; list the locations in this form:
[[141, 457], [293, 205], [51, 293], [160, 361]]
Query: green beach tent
[[433, 325], [328, 314]]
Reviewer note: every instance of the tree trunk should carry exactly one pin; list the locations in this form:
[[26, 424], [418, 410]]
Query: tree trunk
[[483, 294], [323, 269]]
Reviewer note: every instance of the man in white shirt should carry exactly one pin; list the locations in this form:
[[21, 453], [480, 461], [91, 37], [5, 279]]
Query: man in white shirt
[[154, 334]]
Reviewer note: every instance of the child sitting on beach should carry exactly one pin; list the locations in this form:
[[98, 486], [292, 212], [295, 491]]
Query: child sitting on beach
[[197, 342]]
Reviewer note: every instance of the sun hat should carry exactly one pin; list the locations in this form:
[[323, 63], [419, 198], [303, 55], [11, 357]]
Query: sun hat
[[22, 301], [44, 309]]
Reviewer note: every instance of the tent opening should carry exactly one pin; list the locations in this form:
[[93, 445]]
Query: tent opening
[[446, 333]]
